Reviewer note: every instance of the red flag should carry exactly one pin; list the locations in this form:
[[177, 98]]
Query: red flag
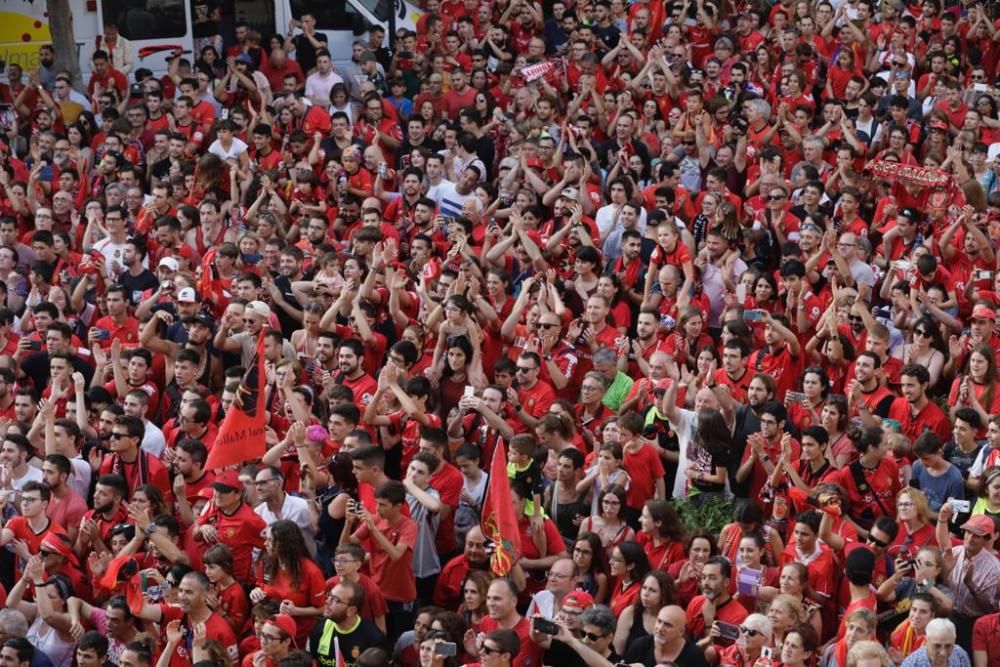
[[339, 657], [206, 283], [241, 435], [499, 523]]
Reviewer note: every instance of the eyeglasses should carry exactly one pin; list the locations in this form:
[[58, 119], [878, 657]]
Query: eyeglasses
[[750, 632], [116, 436], [264, 637], [877, 542], [525, 369], [593, 637], [558, 575], [488, 650], [775, 197], [922, 333]]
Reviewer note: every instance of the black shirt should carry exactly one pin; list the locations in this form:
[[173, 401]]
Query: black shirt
[[36, 367], [352, 644], [138, 284], [642, 651], [305, 52]]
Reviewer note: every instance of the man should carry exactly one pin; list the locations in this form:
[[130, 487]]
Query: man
[[668, 643], [714, 604], [17, 652], [561, 579], [459, 96], [66, 508], [781, 355], [391, 538], [58, 341], [501, 606], [105, 77], [341, 621], [14, 455], [448, 592], [319, 83], [192, 595], [974, 574], [533, 397], [136, 404], [985, 649], [868, 398], [275, 504], [113, 246], [306, 44], [232, 522], [127, 459], [914, 411], [933, 474], [33, 526], [278, 66], [353, 375], [108, 511], [939, 648], [189, 465], [806, 548], [766, 447], [447, 481]]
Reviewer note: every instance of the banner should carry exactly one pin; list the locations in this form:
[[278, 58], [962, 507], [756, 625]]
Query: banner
[[499, 523], [909, 173], [241, 435], [537, 71]]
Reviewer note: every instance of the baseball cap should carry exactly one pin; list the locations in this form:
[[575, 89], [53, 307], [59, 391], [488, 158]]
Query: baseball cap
[[508, 163], [283, 622], [170, 263], [203, 319], [228, 480], [981, 525], [983, 313], [367, 57], [579, 599], [662, 384], [259, 308], [570, 193], [938, 124], [910, 213], [244, 58], [187, 295]]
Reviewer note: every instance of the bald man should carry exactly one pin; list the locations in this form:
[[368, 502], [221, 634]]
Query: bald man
[[448, 594], [668, 643]]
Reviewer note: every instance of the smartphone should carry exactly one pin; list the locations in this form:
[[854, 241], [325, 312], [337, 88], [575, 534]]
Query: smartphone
[[144, 582], [796, 397], [982, 274], [447, 649], [103, 334], [741, 293], [961, 506], [36, 345], [470, 391], [155, 593], [728, 631], [545, 626], [252, 258], [765, 652], [752, 315]]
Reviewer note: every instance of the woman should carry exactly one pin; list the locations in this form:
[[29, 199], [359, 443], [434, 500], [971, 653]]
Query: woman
[[815, 386], [927, 349], [287, 573], [913, 515], [988, 502], [610, 524], [639, 619], [429, 656], [918, 571], [688, 338], [150, 499], [686, 573], [786, 613], [794, 582], [707, 457], [628, 567], [798, 647], [977, 389], [840, 449], [585, 277], [473, 606], [661, 534], [334, 499], [748, 517], [610, 287], [750, 574], [453, 371], [878, 474], [49, 631], [755, 634], [588, 555], [277, 640]]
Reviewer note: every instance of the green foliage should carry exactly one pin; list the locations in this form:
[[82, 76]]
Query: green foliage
[[710, 514]]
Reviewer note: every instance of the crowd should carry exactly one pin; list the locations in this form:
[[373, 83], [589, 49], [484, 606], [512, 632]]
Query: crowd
[[636, 262]]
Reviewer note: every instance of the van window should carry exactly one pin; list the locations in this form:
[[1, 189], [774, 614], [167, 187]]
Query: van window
[[146, 19], [335, 15], [380, 8]]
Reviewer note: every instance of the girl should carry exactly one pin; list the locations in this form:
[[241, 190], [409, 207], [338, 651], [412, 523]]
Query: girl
[[607, 472], [988, 502], [977, 389], [608, 523], [588, 555], [840, 449]]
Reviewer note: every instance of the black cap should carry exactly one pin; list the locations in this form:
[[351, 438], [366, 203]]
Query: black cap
[[910, 213], [203, 319]]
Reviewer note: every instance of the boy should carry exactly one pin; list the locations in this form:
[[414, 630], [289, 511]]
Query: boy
[[412, 415], [642, 463], [391, 537], [233, 605], [347, 560], [522, 467], [425, 509], [474, 480]]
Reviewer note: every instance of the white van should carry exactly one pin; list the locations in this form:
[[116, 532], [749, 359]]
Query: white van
[[158, 27]]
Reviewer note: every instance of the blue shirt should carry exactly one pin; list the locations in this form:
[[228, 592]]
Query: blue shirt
[[940, 488]]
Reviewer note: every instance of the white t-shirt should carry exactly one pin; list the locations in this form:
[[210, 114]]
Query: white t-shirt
[[237, 148]]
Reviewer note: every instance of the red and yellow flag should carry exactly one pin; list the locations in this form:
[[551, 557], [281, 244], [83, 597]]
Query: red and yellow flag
[[499, 522], [242, 433]]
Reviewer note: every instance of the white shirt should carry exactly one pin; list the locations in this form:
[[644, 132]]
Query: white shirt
[[606, 221], [319, 86], [79, 480], [237, 148], [297, 511], [153, 441]]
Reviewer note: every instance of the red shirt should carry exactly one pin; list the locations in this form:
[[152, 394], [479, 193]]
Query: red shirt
[[242, 531], [309, 591], [783, 367], [821, 568], [235, 604], [644, 468], [448, 591], [984, 634], [394, 577], [410, 433], [530, 654], [882, 485], [146, 469], [448, 483], [536, 401], [216, 628], [660, 556], [930, 417], [730, 612], [127, 334]]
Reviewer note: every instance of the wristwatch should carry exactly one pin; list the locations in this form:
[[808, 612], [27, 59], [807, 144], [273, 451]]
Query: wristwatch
[[150, 529], [518, 407], [548, 357]]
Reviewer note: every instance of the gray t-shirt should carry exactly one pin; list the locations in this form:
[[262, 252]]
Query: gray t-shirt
[[425, 555]]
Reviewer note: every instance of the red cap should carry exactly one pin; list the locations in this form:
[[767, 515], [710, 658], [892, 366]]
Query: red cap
[[662, 384], [579, 599], [534, 163], [981, 525], [227, 480], [285, 623], [938, 124], [983, 313]]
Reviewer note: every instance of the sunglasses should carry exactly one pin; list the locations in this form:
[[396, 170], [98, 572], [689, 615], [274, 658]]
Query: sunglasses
[[750, 632], [486, 650], [921, 333], [775, 197], [593, 637], [877, 542]]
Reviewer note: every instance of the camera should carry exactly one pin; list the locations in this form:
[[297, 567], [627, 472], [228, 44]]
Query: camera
[[135, 90], [740, 125]]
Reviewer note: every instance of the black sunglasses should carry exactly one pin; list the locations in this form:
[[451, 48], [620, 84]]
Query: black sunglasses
[[593, 637], [877, 542], [750, 632]]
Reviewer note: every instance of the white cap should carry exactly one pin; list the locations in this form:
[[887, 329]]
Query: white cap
[[259, 308], [170, 263], [187, 295]]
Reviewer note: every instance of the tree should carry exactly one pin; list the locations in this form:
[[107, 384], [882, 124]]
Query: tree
[[64, 40]]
